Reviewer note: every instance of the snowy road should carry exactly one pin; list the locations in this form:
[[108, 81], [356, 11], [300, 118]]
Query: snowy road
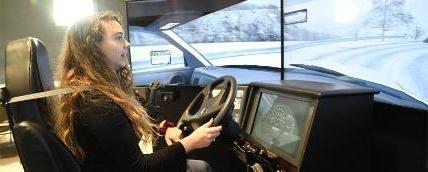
[[397, 64], [402, 65]]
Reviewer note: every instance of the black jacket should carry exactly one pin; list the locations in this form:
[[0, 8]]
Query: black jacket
[[106, 135]]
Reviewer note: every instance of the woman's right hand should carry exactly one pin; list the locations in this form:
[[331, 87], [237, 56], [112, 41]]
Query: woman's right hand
[[201, 137]]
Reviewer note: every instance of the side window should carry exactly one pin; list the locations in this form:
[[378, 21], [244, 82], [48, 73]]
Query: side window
[[150, 52]]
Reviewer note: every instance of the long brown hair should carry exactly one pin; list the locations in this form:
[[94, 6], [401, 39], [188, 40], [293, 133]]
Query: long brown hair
[[85, 64]]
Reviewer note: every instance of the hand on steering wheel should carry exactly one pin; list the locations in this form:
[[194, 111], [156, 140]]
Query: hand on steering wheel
[[205, 106], [201, 137]]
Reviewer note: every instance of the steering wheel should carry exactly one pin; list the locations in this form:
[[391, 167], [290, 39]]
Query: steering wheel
[[206, 105]]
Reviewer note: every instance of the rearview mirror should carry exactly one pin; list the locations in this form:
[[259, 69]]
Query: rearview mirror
[[294, 17]]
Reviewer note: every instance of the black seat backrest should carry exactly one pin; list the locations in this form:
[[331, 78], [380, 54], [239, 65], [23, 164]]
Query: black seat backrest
[[40, 150], [27, 71]]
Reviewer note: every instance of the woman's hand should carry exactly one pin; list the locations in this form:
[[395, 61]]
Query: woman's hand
[[201, 137], [172, 134]]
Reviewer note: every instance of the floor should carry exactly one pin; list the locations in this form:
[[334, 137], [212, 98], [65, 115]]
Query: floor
[[9, 160]]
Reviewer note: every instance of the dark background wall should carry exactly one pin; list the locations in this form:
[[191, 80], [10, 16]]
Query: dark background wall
[[23, 18]]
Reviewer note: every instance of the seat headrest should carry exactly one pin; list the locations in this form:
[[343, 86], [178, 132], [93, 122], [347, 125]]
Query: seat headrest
[[27, 67], [41, 150]]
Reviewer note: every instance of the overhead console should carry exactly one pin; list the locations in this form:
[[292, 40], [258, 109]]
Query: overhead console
[[306, 126]]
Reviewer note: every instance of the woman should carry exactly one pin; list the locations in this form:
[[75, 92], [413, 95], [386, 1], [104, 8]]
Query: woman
[[102, 127]]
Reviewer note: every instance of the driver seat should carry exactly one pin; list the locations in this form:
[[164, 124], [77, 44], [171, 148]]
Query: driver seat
[[27, 71], [41, 150]]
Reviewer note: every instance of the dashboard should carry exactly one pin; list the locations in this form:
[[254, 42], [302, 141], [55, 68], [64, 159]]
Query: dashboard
[[344, 119], [291, 126]]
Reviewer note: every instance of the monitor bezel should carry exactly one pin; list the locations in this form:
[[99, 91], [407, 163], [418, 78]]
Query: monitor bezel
[[306, 127]]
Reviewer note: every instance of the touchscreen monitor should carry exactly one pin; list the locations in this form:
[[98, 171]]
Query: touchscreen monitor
[[280, 124]]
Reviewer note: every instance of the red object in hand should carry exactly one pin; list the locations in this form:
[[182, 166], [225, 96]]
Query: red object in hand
[[165, 126]]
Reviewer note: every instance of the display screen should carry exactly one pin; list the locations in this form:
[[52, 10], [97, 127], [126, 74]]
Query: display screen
[[279, 123]]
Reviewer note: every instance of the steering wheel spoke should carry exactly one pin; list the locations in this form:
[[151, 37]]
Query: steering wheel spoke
[[206, 92], [213, 109], [223, 85]]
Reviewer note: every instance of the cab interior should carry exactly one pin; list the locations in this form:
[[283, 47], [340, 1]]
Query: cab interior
[[301, 120]]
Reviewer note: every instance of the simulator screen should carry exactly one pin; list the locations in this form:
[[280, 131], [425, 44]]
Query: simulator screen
[[279, 122]]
